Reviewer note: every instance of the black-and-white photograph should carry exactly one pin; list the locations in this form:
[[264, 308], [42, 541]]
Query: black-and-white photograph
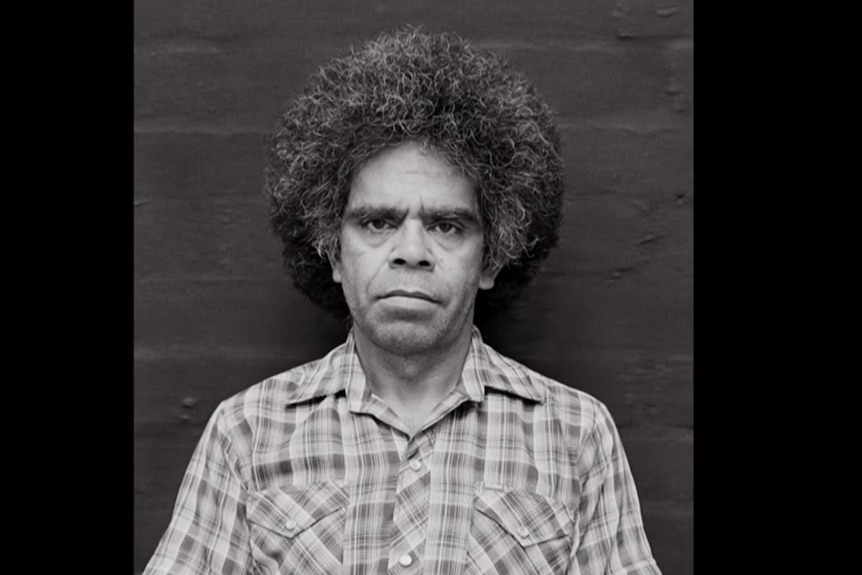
[[413, 287]]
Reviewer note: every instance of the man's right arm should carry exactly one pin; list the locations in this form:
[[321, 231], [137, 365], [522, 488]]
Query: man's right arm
[[208, 532]]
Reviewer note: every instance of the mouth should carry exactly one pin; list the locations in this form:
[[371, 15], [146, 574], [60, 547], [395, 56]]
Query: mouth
[[412, 294]]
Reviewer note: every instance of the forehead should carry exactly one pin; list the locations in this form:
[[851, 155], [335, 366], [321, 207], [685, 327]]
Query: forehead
[[411, 174]]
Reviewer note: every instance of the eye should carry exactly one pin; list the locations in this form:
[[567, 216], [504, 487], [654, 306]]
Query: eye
[[446, 228], [377, 225]]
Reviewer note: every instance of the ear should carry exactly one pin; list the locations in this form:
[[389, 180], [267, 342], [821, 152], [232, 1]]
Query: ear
[[336, 269], [488, 275]]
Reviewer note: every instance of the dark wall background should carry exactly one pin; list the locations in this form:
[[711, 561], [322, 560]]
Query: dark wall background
[[611, 313]]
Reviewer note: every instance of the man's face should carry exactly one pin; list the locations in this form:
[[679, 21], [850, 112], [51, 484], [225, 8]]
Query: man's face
[[411, 251]]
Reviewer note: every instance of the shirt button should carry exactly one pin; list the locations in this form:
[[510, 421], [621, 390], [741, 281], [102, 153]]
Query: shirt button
[[523, 532], [415, 464], [290, 524], [405, 560]]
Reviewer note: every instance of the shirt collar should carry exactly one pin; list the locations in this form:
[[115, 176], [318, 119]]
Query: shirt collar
[[484, 369]]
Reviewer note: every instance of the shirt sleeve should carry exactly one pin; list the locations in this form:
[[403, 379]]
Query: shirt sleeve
[[611, 538], [208, 532]]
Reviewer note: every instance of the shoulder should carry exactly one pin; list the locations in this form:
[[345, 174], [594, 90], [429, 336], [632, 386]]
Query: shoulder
[[266, 405], [578, 412], [563, 397], [268, 395]]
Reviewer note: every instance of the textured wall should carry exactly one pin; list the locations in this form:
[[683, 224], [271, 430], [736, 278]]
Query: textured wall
[[610, 314]]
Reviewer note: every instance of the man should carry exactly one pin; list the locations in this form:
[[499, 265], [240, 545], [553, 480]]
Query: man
[[414, 183]]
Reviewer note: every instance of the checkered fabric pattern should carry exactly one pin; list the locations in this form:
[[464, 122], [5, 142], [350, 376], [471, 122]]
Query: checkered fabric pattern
[[309, 472]]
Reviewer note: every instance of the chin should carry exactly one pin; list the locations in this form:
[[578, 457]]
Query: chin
[[406, 330], [406, 337]]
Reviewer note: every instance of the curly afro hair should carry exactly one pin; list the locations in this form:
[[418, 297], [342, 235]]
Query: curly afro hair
[[447, 94]]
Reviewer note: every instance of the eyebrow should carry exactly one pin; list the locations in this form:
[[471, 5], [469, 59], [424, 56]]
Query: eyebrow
[[366, 212]]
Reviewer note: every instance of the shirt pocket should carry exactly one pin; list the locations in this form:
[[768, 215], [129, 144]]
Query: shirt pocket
[[516, 531], [298, 528]]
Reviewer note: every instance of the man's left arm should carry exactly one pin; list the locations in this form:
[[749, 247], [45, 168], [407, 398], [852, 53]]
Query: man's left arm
[[611, 538]]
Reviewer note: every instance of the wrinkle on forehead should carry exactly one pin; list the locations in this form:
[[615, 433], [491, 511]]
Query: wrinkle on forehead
[[426, 150], [412, 172]]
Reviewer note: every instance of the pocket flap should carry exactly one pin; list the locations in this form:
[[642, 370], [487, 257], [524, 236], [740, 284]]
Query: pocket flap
[[290, 509], [529, 517]]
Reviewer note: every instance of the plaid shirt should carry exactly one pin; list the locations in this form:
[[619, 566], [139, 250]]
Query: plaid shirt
[[308, 472]]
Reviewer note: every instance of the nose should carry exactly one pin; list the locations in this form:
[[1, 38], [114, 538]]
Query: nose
[[411, 248]]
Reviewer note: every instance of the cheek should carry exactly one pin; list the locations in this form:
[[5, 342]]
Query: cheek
[[463, 278], [470, 265], [358, 268]]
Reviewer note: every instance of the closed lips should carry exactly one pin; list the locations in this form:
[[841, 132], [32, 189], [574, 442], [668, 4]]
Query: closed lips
[[410, 294]]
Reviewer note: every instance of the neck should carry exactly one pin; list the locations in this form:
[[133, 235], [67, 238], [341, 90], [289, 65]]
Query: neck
[[412, 384]]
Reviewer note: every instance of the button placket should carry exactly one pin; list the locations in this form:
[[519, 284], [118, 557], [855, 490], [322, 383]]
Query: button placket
[[406, 553]]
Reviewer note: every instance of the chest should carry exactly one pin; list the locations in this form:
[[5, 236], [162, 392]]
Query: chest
[[487, 489]]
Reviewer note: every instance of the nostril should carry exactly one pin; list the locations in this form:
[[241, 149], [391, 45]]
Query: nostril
[[403, 262]]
